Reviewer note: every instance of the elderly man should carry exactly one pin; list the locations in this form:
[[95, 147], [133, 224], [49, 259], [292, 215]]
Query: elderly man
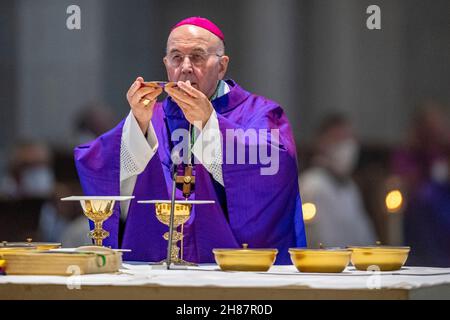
[[254, 203]]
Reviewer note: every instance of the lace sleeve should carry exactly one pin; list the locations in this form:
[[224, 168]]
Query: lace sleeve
[[135, 149]]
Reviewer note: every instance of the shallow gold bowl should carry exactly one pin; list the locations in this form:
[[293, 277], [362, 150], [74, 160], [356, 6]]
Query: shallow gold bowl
[[320, 260], [33, 245], [386, 258], [245, 259], [14, 247]]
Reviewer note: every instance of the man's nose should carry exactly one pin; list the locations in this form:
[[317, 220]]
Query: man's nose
[[186, 65]]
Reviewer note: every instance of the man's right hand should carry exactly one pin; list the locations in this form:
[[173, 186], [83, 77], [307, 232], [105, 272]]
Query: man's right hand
[[136, 96]]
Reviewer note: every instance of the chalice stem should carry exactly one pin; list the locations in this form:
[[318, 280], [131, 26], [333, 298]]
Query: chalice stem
[[98, 239], [171, 218], [182, 246]]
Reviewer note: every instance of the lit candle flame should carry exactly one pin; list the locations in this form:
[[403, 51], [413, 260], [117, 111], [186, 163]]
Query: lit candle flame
[[309, 211], [394, 201]]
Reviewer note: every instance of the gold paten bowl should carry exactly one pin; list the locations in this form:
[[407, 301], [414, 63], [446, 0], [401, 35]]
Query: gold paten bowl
[[320, 260], [29, 244], [245, 259], [386, 258], [13, 247]]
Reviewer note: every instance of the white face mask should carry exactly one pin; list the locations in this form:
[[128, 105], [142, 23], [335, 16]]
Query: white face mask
[[37, 181], [439, 171], [343, 157]]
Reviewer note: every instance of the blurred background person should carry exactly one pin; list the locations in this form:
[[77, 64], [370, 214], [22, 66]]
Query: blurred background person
[[30, 193], [29, 173], [30, 176], [94, 119], [422, 166], [427, 224], [327, 188], [425, 154]]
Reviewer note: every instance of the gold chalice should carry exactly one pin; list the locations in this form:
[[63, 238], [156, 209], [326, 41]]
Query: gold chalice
[[98, 210], [182, 213]]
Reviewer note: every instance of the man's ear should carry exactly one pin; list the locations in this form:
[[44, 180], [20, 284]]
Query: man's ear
[[223, 66], [166, 64]]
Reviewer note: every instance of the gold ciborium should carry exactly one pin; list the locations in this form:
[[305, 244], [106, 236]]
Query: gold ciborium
[[245, 259], [98, 210], [385, 258]]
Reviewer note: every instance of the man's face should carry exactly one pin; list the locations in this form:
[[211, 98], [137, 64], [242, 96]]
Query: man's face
[[206, 63], [341, 149]]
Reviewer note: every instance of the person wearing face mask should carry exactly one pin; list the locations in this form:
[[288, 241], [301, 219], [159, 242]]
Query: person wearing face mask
[[427, 222], [425, 154], [259, 207], [423, 166], [30, 174], [340, 218], [94, 119]]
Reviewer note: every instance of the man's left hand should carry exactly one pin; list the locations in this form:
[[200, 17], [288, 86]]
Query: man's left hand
[[195, 105]]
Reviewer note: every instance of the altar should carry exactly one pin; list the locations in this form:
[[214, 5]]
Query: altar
[[208, 282]]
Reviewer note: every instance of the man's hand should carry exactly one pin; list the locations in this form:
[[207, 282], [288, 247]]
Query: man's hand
[[195, 105], [142, 100]]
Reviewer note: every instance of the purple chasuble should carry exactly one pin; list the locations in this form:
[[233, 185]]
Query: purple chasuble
[[261, 210]]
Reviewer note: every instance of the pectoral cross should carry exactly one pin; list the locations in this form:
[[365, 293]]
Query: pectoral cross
[[187, 180]]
